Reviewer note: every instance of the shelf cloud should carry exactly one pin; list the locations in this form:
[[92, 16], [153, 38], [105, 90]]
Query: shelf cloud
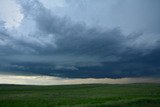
[[80, 39]]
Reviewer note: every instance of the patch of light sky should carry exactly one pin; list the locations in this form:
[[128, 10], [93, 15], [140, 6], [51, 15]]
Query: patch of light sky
[[10, 14], [51, 80]]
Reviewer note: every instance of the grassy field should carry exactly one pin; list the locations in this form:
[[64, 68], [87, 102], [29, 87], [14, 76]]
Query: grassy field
[[95, 95]]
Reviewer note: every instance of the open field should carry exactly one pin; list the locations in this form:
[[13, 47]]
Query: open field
[[95, 95]]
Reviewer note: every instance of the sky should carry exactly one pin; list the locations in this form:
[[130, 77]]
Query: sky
[[80, 38]]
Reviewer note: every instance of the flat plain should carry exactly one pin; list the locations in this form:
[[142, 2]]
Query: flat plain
[[90, 95]]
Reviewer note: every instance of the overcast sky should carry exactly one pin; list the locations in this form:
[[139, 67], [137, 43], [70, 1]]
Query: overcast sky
[[80, 38]]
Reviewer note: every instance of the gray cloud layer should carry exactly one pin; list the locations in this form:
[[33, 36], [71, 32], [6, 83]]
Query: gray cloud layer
[[50, 43]]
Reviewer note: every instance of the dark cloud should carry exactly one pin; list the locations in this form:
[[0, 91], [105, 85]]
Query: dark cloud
[[48, 44]]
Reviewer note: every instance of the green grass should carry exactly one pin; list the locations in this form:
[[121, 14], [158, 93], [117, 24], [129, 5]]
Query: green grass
[[95, 95]]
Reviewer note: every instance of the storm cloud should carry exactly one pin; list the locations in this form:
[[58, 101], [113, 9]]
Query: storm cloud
[[86, 38]]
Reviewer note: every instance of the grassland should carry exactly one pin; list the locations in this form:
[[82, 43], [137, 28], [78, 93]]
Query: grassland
[[95, 95]]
